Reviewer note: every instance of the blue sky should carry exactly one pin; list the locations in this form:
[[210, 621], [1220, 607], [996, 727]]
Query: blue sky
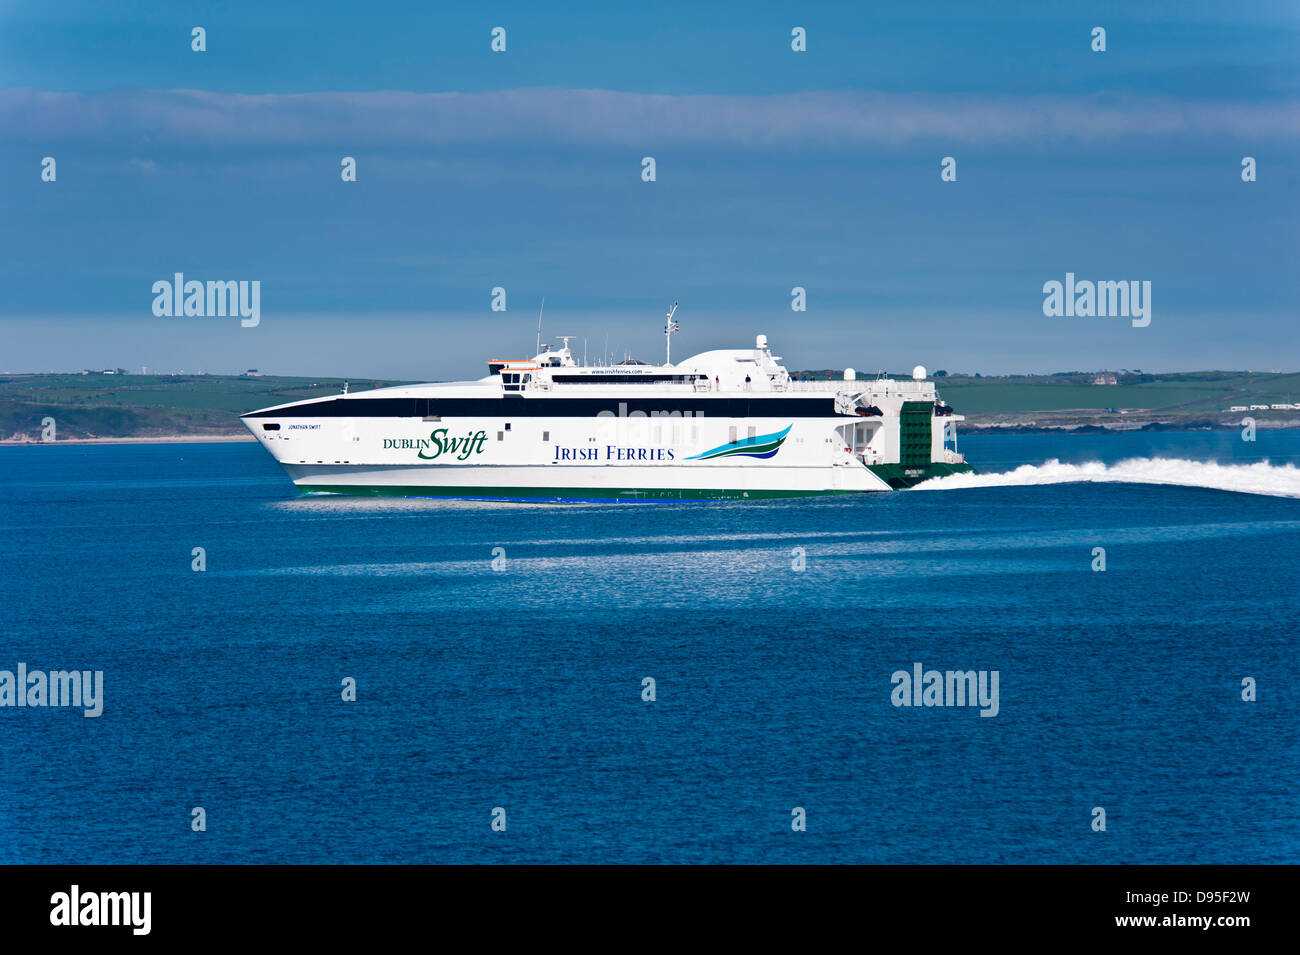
[[523, 170]]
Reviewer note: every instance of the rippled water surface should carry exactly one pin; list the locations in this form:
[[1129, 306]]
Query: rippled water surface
[[522, 688]]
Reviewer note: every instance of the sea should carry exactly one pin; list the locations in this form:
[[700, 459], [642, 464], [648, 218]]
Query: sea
[[291, 679]]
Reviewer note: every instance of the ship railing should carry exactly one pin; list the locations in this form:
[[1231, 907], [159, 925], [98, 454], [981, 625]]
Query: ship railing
[[821, 385], [923, 390]]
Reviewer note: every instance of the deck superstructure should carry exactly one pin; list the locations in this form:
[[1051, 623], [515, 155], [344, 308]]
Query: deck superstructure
[[729, 423]]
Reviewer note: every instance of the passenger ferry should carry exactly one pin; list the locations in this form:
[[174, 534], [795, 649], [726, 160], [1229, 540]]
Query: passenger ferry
[[726, 424]]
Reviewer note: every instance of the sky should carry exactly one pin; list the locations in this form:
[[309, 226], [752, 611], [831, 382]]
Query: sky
[[523, 170]]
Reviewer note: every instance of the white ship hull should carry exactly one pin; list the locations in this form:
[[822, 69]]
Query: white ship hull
[[551, 430]]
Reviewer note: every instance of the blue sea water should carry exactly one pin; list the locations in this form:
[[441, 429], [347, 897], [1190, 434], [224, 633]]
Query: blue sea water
[[522, 689]]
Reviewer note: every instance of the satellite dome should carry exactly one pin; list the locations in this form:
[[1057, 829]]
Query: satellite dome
[[918, 373]]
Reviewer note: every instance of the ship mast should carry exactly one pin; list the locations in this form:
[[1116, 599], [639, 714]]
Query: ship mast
[[669, 328], [540, 312]]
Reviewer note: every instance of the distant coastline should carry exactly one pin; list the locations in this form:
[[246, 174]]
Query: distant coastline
[[118, 408], [134, 439], [1081, 427], [969, 427]]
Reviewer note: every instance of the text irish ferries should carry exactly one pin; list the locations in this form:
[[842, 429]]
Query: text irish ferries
[[723, 424]]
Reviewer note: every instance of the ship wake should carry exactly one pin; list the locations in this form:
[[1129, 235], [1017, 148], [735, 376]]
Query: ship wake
[[1260, 477]]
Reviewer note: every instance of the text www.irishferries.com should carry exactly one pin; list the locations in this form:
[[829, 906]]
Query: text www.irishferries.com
[[1203, 922]]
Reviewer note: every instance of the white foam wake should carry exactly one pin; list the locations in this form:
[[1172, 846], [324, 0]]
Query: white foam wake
[[1258, 478]]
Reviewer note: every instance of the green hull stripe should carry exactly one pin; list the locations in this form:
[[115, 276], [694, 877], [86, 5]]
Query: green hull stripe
[[560, 493], [900, 476]]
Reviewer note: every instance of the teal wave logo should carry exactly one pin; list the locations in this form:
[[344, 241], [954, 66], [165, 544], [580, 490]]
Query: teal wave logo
[[759, 446]]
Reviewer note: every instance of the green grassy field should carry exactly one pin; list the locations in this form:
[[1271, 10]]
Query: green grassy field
[[1204, 393], [144, 405], [985, 396]]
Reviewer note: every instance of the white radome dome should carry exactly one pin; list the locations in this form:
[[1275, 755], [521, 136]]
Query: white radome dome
[[918, 373], [850, 374]]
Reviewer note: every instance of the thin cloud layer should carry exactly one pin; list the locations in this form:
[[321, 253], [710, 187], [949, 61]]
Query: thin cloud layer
[[605, 118]]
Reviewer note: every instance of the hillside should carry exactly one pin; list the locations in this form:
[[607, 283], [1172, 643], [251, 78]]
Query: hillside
[[115, 406], [208, 406], [1183, 399]]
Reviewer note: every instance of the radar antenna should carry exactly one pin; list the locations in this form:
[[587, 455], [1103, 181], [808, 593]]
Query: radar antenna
[[669, 328]]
